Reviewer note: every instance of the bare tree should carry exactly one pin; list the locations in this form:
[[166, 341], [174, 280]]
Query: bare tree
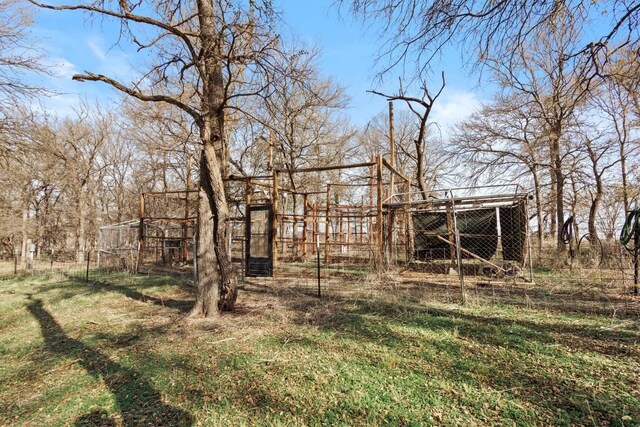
[[414, 32], [71, 150], [374, 140], [555, 87], [204, 55], [18, 54], [616, 106], [303, 114], [421, 107], [502, 140]]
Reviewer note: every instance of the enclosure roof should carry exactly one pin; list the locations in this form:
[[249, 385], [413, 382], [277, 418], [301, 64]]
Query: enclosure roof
[[462, 202]]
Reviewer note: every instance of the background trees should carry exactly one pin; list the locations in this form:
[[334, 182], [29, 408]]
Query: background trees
[[221, 93]]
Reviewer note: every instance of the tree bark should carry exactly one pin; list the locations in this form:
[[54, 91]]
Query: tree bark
[[213, 214], [623, 171], [558, 187], [597, 198], [422, 185], [208, 293], [25, 235], [536, 189]]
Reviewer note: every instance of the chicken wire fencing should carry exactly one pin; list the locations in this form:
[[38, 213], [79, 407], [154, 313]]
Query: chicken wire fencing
[[448, 237], [118, 246], [160, 240], [347, 233]]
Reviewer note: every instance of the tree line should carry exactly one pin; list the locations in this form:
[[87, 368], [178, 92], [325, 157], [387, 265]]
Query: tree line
[[222, 89]]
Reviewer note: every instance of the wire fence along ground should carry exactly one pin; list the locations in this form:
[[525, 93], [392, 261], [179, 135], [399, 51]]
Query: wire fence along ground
[[475, 244], [46, 266]]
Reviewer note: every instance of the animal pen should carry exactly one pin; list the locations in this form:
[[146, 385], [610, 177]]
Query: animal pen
[[365, 218], [341, 223], [353, 219], [160, 240], [358, 218]]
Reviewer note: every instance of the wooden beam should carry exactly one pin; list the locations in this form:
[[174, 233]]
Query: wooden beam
[[274, 223], [141, 233], [305, 220], [393, 170], [325, 168], [155, 193], [473, 255], [327, 225]]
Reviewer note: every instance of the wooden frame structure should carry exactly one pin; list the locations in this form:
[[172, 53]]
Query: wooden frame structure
[[315, 214], [166, 227]]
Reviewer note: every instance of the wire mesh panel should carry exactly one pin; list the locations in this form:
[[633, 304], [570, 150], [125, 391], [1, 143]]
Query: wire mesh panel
[[484, 236], [118, 246]]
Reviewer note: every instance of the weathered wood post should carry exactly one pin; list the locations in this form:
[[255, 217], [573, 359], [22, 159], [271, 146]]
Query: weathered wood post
[[305, 219], [274, 221], [327, 226], [141, 234], [392, 162], [379, 229], [314, 229]]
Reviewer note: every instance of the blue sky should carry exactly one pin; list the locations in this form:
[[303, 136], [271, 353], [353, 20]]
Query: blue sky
[[74, 44]]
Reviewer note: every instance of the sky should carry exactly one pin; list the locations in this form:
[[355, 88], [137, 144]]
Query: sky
[[73, 44]]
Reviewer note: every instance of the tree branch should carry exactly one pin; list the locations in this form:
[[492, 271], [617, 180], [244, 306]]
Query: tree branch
[[139, 95]]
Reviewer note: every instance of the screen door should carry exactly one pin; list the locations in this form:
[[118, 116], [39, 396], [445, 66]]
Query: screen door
[[259, 250]]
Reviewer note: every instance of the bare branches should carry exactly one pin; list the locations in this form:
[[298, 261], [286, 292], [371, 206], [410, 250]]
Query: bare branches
[[18, 56], [127, 16], [426, 102], [416, 31], [137, 94]]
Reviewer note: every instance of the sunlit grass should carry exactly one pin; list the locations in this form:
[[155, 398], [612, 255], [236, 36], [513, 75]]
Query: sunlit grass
[[120, 351]]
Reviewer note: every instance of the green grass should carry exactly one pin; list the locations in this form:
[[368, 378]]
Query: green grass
[[120, 351]]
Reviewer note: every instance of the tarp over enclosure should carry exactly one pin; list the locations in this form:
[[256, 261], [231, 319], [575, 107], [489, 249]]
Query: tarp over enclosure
[[478, 229], [477, 233], [513, 228]]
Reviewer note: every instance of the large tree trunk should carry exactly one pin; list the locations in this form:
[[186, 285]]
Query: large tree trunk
[[595, 204], [551, 206], [214, 263], [623, 172], [558, 180], [208, 293], [538, 196], [214, 189], [209, 301]]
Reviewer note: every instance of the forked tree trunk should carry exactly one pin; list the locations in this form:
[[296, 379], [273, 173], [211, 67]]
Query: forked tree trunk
[[214, 262], [595, 203], [217, 283], [216, 196]]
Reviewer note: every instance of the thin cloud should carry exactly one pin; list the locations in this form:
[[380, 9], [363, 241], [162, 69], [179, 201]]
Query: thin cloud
[[453, 108], [95, 47]]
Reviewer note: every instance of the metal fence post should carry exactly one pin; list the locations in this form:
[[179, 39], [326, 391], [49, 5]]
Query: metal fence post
[[88, 260], [456, 233]]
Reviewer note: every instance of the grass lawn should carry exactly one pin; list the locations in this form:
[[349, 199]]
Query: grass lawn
[[119, 352]]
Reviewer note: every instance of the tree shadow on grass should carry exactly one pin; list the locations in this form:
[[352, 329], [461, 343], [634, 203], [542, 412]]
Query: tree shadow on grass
[[77, 287], [138, 402], [182, 306], [489, 353]]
